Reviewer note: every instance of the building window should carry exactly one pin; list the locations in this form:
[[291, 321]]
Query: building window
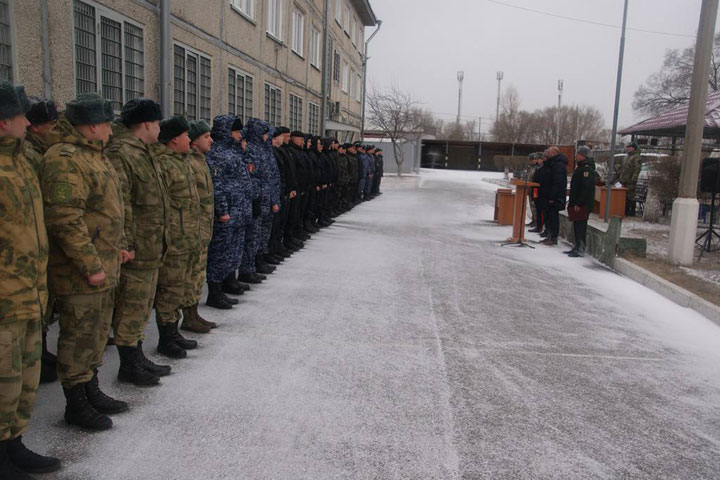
[[273, 105], [352, 83], [346, 23], [246, 7], [240, 94], [298, 32], [361, 39], [313, 118], [274, 27], [295, 111], [339, 11], [353, 30], [6, 64], [315, 48], [192, 80], [358, 88], [345, 78], [336, 67], [120, 56]]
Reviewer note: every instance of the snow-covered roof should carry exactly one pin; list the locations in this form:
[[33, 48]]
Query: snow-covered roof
[[672, 123]]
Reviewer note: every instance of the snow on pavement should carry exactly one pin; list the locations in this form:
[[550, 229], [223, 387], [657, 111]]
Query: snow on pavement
[[404, 343]]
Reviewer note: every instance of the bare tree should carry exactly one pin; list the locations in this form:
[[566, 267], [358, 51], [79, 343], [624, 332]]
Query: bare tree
[[670, 86], [394, 112]]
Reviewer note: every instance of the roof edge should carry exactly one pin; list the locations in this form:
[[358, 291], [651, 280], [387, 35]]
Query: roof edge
[[367, 16]]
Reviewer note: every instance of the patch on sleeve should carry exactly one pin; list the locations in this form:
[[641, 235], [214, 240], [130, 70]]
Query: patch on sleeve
[[62, 192], [586, 174]]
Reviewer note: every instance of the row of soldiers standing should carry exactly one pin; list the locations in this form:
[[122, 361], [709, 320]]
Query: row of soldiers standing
[[102, 221]]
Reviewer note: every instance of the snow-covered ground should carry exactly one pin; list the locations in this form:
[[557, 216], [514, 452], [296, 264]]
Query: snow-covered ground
[[405, 343]]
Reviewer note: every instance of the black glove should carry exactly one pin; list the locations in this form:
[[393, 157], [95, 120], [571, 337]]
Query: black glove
[[256, 208]]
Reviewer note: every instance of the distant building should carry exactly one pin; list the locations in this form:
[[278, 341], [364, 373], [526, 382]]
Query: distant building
[[251, 58]]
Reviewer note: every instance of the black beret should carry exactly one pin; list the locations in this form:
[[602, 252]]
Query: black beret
[[13, 100], [140, 110], [172, 127], [197, 128], [89, 109], [357, 144], [236, 125], [276, 133], [282, 130], [41, 111], [297, 133]]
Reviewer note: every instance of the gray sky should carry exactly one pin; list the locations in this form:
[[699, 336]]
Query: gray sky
[[423, 43]]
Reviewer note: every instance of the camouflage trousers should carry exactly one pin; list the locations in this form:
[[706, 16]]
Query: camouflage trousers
[[133, 304], [533, 211], [20, 348], [249, 247], [174, 280], [198, 278], [49, 314], [264, 231], [85, 322]]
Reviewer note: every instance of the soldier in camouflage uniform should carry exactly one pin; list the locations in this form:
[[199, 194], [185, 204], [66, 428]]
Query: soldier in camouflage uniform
[[23, 289], [146, 206], [629, 177], [84, 217], [43, 116], [200, 143], [183, 232]]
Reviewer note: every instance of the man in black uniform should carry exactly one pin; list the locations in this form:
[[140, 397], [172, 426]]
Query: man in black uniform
[[582, 196]]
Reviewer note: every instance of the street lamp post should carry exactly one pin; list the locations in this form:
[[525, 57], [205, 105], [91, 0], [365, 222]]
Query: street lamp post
[[683, 226], [460, 77], [557, 132], [500, 76]]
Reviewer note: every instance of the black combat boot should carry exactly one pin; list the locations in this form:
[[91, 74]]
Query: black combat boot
[[159, 370], [195, 312], [231, 286], [48, 363], [259, 276], [8, 470], [182, 342], [249, 278], [29, 461], [166, 342], [271, 260], [216, 298], [101, 402], [78, 410], [262, 267], [131, 371]]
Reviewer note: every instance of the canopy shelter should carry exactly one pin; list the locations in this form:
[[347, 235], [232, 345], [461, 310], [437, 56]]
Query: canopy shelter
[[673, 122]]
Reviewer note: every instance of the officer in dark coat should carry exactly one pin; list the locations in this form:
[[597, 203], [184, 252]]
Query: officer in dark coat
[[554, 192], [582, 196]]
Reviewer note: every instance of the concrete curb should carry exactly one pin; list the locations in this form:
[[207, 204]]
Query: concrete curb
[[668, 290]]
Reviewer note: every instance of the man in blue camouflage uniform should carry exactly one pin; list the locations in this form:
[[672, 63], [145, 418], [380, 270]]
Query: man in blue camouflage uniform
[[232, 209]]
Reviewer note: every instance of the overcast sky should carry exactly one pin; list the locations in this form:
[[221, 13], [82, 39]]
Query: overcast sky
[[423, 44]]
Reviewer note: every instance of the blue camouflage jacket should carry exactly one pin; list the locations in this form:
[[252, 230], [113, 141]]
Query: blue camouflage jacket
[[261, 154], [231, 180]]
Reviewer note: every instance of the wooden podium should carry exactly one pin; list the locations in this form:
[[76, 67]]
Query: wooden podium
[[522, 189], [618, 197]]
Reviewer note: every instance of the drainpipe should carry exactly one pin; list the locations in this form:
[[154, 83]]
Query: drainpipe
[[326, 68], [165, 57], [44, 18], [365, 61]]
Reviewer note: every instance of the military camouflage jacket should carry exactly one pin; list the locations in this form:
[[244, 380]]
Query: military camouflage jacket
[[205, 193], [83, 213], [184, 217], [145, 198], [23, 240], [35, 148]]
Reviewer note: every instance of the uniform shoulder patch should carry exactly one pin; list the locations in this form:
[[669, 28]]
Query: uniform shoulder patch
[[586, 174], [61, 192]]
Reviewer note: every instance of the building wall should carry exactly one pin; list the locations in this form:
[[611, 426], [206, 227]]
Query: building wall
[[213, 28]]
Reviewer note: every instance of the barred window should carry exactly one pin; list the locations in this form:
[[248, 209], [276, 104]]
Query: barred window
[[313, 118], [134, 62], [109, 54], [273, 105], [240, 94], [296, 106], [192, 84], [6, 64], [336, 67]]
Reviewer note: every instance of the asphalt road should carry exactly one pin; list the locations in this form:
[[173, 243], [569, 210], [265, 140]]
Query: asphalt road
[[405, 343]]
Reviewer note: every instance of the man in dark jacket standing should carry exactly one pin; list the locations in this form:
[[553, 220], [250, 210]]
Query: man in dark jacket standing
[[582, 195], [553, 192]]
